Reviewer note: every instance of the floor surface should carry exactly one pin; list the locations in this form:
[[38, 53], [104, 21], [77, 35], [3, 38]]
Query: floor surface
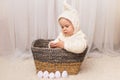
[[93, 68]]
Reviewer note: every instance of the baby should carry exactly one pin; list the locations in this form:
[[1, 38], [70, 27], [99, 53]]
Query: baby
[[71, 38]]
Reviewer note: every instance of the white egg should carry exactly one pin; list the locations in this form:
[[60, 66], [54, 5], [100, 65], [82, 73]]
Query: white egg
[[40, 74], [45, 74], [57, 74], [51, 75], [64, 74], [55, 41]]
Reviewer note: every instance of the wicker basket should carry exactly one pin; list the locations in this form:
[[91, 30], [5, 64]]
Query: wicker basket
[[55, 59]]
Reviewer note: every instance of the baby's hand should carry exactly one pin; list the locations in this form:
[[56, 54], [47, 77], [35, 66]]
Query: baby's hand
[[53, 44], [60, 44]]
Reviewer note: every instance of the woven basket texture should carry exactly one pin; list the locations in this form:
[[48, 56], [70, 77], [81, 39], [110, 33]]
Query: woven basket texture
[[55, 59]]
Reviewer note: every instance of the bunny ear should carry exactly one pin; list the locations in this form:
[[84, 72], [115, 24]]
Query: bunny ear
[[66, 6]]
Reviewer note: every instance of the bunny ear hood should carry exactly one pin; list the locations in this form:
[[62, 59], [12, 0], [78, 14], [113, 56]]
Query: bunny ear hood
[[66, 6], [72, 15]]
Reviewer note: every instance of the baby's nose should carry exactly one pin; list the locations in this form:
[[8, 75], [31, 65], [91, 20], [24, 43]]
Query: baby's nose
[[64, 28]]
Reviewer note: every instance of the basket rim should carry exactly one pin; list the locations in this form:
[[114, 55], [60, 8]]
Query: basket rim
[[39, 48], [33, 47]]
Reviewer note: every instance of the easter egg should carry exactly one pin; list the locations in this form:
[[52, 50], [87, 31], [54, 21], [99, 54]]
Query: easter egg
[[64, 74]]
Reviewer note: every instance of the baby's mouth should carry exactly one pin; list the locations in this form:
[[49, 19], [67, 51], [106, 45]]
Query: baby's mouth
[[65, 32]]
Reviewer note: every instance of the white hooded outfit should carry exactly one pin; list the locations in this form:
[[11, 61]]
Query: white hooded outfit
[[77, 42]]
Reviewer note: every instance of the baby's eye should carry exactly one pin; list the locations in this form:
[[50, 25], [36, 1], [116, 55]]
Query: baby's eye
[[66, 26], [62, 27]]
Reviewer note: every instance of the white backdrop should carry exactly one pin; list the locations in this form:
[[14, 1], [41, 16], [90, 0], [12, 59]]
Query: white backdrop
[[22, 21]]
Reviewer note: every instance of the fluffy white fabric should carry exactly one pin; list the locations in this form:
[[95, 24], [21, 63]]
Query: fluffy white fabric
[[76, 43], [72, 15]]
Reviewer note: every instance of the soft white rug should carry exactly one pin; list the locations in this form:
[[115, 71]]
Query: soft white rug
[[95, 67]]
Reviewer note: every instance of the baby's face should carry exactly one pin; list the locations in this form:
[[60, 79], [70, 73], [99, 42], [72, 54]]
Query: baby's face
[[67, 27]]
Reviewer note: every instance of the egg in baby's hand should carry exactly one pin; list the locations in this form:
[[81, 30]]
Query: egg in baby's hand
[[64, 74], [45, 74], [54, 42]]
